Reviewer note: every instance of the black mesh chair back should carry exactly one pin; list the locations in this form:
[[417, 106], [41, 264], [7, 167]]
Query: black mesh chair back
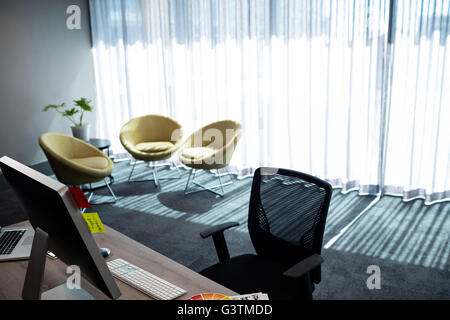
[[287, 215]]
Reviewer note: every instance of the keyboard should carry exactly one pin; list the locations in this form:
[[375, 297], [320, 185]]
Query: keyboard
[[9, 240], [144, 281]]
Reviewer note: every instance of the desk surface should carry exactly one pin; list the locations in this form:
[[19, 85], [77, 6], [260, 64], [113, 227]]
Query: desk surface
[[12, 274]]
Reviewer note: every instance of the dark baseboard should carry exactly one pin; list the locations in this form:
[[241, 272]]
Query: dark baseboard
[[43, 167]]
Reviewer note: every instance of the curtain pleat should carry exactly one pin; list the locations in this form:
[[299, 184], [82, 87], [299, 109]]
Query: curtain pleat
[[418, 154]]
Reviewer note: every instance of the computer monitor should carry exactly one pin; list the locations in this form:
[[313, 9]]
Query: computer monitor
[[51, 207]]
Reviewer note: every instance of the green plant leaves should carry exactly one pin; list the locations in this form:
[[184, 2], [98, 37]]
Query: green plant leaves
[[83, 103], [71, 112], [81, 106], [54, 106]]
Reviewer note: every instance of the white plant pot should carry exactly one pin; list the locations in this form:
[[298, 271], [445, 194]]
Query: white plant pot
[[81, 132]]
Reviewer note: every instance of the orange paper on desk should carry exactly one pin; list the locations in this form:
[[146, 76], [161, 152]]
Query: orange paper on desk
[[93, 222]]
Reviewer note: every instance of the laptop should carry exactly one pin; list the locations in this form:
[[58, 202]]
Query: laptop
[[15, 243]]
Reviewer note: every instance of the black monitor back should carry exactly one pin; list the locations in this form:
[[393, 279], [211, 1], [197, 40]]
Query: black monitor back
[[50, 206]]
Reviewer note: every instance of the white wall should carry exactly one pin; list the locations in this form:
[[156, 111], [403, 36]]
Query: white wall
[[41, 63]]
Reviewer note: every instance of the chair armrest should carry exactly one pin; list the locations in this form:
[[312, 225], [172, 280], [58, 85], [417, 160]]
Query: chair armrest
[[219, 240], [304, 266], [216, 229]]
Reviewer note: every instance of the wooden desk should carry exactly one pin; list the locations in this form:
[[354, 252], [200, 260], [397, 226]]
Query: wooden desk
[[12, 274]]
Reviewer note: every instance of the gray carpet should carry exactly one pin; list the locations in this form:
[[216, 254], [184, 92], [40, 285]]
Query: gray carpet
[[410, 242]]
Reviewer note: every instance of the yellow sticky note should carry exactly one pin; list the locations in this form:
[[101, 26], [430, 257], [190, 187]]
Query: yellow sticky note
[[93, 222]]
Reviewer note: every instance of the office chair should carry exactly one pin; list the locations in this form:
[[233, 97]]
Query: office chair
[[286, 222], [210, 148], [151, 138], [76, 162]]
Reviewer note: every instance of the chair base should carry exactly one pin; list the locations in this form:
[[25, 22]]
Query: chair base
[[91, 189], [205, 188], [244, 273], [113, 195], [155, 179]]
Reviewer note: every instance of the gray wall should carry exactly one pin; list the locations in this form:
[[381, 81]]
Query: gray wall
[[41, 63]]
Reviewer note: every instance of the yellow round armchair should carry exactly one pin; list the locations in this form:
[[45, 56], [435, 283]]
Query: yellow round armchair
[[74, 161], [211, 147], [151, 138]]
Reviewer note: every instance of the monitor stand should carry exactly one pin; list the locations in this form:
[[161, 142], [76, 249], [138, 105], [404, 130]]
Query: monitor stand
[[32, 287]]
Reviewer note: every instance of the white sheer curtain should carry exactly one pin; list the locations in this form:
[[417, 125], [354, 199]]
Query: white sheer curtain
[[315, 84], [418, 146]]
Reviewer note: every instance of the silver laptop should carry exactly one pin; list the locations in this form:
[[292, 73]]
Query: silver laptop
[[15, 243]]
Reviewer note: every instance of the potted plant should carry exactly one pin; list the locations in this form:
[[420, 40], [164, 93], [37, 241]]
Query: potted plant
[[80, 129]]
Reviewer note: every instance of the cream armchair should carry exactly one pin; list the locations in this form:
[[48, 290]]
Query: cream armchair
[[151, 138], [209, 148], [76, 162]]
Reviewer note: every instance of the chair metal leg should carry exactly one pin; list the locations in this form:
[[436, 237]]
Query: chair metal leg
[[229, 175], [155, 176], [220, 181], [103, 202], [205, 188], [110, 190], [189, 180], [176, 167], [132, 170], [156, 179]]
